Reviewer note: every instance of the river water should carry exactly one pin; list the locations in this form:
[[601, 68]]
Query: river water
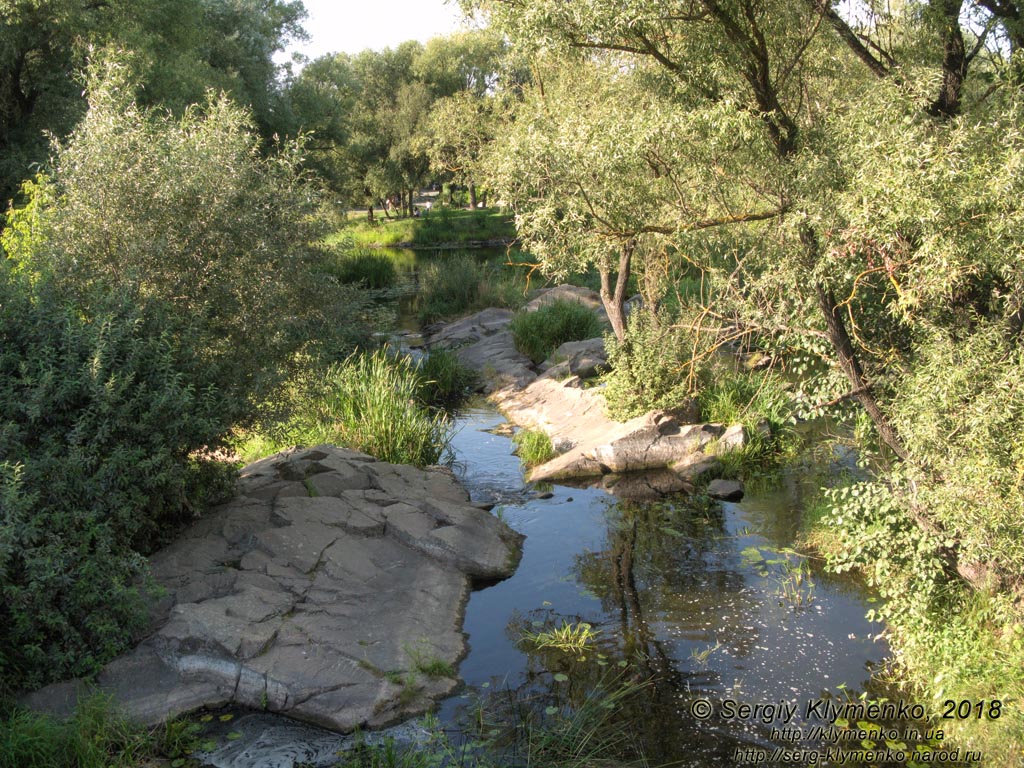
[[735, 636]]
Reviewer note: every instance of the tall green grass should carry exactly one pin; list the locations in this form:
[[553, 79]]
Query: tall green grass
[[460, 284], [533, 447], [444, 380], [538, 334], [371, 270], [730, 396], [371, 402], [96, 736]]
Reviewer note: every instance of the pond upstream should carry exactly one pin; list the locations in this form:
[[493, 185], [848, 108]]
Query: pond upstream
[[744, 644]]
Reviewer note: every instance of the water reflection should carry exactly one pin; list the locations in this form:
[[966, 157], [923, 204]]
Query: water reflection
[[688, 594]]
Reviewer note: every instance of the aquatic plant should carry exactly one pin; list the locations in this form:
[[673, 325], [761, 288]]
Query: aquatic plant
[[570, 637], [533, 447]]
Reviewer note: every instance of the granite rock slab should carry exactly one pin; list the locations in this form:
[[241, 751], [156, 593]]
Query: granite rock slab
[[323, 591]]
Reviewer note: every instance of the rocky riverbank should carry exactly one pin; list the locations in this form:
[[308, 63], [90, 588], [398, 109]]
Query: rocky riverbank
[[331, 590], [556, 398]]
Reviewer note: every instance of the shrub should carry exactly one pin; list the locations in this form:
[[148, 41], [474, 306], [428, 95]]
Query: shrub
[[538, 334], [187, 216], [651, 368], [158, 287], [99, 421]]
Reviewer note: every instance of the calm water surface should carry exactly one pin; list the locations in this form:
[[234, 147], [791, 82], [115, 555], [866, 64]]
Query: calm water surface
[[707, 601]]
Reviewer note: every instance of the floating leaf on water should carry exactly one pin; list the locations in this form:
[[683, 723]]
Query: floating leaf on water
[[178, 763], [842, 722], [225, 718], [208, 745], [206, 718], [234, 736], [868, 744], [623, 664], [551, 710], [560, 677]]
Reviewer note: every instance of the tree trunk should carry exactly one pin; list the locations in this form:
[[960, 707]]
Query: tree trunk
[[849, 364], [954, 61], [472, 195], [409, 198], [369, 213], [615, 300]]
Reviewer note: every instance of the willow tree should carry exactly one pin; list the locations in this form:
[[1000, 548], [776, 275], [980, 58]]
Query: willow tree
[[605, 165], [866, 210]]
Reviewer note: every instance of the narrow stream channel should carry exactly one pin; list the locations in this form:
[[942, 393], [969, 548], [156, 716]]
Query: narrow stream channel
[[703, 593], [707, 601]]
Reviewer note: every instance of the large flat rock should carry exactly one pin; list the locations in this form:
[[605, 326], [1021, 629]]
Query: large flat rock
[[323, 592]]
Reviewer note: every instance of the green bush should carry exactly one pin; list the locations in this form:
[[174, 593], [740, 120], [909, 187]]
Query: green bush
[[538, 334], [650, 368], [99, 419], [157, 288], [189, 216], [457, 285]]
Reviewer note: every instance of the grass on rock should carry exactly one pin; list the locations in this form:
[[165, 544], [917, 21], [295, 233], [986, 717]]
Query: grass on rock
[[538, 334]]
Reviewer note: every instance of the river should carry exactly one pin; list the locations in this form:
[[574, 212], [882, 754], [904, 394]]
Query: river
[[740, 643]]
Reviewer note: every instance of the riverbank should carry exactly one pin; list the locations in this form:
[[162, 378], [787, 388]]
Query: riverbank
[[330, 590], [437, 227], [671, 448]]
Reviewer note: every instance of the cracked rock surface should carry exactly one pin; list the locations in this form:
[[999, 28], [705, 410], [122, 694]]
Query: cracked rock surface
[[331, 589]]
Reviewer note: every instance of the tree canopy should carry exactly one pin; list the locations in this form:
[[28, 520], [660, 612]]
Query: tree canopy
[[179, 51], [847, 186]]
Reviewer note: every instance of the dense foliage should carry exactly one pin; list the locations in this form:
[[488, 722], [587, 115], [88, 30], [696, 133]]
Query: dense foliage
[[180, 50], [99, 418], [157, 289], [846, 182], [374, 137]]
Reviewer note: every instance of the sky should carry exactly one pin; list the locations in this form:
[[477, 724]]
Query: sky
[[351, 26]]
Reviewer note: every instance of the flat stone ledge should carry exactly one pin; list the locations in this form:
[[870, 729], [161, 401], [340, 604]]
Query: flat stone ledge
[[317, 593]]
